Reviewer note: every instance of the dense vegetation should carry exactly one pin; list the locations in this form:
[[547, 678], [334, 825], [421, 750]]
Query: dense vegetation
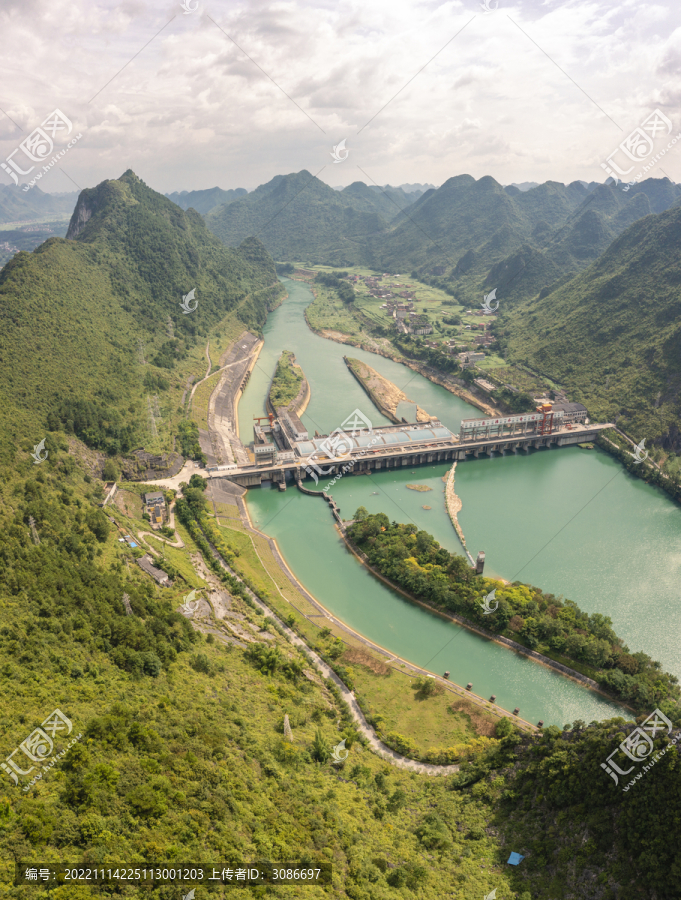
[[585, 836], [74, 313], [344, 290], [298, 216], [188, 441], [286, 381], [532, 240], [65, 593], [651, 472], [620, 355], [97, 423], [182, 755], [558, 628]]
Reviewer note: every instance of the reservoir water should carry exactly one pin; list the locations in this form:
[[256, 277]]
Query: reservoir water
[[570, 521]]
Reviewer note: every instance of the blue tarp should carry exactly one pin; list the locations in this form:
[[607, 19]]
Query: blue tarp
[[514, 859]]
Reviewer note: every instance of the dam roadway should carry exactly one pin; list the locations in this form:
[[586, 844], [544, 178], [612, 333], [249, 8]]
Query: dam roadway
[[371, 458]]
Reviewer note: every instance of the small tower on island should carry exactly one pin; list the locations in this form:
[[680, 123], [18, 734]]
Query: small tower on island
[[480, 562]]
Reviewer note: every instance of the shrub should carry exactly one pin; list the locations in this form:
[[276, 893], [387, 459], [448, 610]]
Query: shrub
[[427, 687], [319, 750], [401, 744], [201, 663]]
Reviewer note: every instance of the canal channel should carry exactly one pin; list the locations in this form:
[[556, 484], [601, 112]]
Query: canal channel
[[568, 520]]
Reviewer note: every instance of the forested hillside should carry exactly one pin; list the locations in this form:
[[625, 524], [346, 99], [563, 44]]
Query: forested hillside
[[77, 313], [18, 205], [472, 235], [299, 217], [387, 201], [612, 335], [478, 236], [182, 755]]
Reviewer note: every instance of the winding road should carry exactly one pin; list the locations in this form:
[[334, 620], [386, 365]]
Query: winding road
[[379, 748]]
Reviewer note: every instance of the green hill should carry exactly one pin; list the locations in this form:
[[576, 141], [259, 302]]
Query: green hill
[[204, 201], [17, 205], [466, 215], [478, 235], [387, 201], [471, 235], [299, 217], [612, 335], [73, 313], [583, 835], [563, 250]]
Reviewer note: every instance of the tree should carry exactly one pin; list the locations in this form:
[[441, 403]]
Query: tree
[[320, 751], [97, 523], [426, 687], [110, 471], [196, 481]]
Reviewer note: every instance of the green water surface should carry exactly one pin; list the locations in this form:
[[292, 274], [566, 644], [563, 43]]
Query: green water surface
[[570, 521]]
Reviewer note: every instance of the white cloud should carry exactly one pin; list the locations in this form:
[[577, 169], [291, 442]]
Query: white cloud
[[191, 110]]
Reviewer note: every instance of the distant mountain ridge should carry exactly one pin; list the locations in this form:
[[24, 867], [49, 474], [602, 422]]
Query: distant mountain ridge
[[478, 235], [297, 216], [205, 200], [17, 205], [473, 235]]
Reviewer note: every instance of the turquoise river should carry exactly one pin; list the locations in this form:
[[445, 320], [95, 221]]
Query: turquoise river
[[568, 520]]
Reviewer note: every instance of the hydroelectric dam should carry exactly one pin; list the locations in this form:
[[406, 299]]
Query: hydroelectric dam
[[283, 451]]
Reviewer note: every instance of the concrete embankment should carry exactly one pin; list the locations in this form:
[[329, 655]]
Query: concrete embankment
[[242, 386], [453, 504], [385, 395], [236, 363]]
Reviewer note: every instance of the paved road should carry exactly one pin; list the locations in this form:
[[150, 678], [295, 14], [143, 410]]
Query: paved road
[[363, 726], [197, 383]]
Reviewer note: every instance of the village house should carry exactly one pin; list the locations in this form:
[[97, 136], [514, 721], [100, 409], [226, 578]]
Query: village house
[[157, 574], [483, 339], [469, 359], [155, 508]]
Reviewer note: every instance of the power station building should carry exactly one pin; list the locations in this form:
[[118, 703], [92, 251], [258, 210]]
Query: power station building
[[572, 412]]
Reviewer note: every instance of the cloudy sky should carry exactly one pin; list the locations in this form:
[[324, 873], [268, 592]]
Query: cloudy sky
[[232, 94]]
